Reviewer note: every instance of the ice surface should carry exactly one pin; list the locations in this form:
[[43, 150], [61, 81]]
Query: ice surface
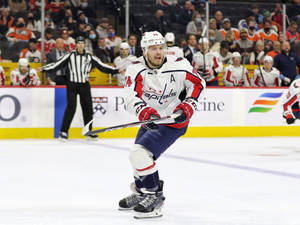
[[208, 181]]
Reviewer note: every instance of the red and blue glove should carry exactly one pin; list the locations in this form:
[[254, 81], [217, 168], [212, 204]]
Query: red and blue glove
[[289, 116], [187, 112], [149, 113]]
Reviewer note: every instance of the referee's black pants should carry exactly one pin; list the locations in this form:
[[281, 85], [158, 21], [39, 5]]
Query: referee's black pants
[[84, 91]]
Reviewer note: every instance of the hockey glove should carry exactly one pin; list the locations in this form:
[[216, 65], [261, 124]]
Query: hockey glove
[[204, 73], [285, 80], [149, 113], [26, 80], [187, 112], [289, 116]]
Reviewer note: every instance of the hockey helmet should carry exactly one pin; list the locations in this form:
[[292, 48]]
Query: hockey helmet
[[124, 45], [170, 37], [236, 54], [152, 38], [203, 40], [23, 62], [268, 58]]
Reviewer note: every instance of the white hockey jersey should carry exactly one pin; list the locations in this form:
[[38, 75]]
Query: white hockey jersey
[[175, 51], [236, 76], [29, 79], [2, 76], [160, 88], [213, 64], [123, 64], [261, 78], [292, 96]]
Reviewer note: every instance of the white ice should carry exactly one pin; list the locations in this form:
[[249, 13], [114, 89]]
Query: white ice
[[208, 181]]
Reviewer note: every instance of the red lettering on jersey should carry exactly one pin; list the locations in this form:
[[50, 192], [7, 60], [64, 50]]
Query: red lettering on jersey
[[128, 81]]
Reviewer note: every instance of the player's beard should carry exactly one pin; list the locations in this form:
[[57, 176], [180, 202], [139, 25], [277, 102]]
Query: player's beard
[[156, 61]]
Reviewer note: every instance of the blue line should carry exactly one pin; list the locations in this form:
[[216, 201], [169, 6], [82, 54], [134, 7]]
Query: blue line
[[215, 163]]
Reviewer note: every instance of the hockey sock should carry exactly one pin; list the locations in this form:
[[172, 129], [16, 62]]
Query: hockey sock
[[150, 182]]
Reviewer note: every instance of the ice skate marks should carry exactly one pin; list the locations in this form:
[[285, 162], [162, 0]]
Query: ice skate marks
[[265, 102]]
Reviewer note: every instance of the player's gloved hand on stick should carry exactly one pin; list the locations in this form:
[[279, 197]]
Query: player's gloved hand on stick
[[289, 116], [26, 80], [187, 112], [149, 113]]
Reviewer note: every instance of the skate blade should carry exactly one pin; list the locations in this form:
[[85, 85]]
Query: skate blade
[[91, 139], [125, 209], [62, 140], [154, 214]]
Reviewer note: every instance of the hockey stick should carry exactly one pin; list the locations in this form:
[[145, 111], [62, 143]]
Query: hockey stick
[[86, 131]]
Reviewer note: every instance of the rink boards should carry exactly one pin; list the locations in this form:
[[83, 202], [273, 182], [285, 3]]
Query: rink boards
[[223, 112]]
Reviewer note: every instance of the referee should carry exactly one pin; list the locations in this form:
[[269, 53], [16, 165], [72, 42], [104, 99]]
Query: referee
[[79, 63]]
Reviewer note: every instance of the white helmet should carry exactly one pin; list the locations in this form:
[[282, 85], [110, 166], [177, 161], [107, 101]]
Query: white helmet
[[268, 58], [124, 45], [170, 37], [23, 62], [236, 54], [203, 40], [152, 38]]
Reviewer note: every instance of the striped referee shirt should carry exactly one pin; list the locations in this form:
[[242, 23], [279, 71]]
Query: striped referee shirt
[[80, 66]]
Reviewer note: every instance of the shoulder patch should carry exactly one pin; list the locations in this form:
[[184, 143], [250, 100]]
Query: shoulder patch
[[178, 59]]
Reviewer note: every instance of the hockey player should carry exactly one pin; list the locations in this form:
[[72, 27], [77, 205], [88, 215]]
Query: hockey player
[[123, 61], [24, 75], [236, 74], [267, 76], [291, 109], [210, 65], [171, 48], [154, 87]]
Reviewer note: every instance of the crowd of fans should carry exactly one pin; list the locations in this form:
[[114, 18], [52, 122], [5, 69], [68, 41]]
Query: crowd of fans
[[258, 35]]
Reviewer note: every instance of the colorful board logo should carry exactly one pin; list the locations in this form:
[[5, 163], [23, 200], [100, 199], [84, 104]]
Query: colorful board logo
[[265, 102]]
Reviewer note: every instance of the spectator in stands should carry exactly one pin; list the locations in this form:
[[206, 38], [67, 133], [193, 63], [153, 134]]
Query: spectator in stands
[[48, 20], [277, 15], [58, 77], [69, 41], [32, 24], [230, 38], [80, 30], [17, 6], [19, 32], [102, 28], [256, 57], [185, 15], [217, 34], [196, 25], [252, 34], [56, 8], [183, 43], [82, 17], [171, 48], [69, 21], [6, 22], [191, 49], [158, 23], [86, 9], [91, 41], [112, 39], [236, 74], [31, 53], [227, 27], [276, 49], [134, 49], [275, 26], [244, 46], [103, 52], [24, 75], [292, 35], [287, 62], [219, 19], [267, 76], [267, 33], [49, 42], [167, 2], [258, 17], [123, 61], [225, 54]]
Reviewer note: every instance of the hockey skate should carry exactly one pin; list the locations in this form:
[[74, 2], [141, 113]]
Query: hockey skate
[[132, 200], [151, 205], [63, 136], [92, 137]]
